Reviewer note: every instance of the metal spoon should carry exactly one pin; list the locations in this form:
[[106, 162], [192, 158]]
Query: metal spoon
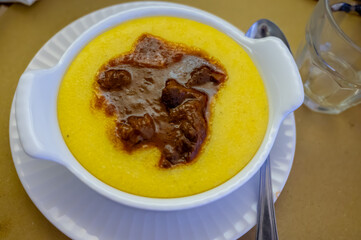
[[266, 219], [265, 28]]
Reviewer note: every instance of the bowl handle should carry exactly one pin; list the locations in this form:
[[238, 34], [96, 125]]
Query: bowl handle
[[280, 73], [36, 114]]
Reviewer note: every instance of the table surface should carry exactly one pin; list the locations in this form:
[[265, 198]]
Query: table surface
[[321, 199]]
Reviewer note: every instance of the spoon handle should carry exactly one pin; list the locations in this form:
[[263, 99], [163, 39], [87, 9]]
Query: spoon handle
[[266, 228]]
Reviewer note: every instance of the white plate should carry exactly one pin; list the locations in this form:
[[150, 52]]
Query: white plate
[[81, 213]]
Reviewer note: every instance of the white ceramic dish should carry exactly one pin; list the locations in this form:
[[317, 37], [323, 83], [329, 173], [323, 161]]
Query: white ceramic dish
[[81, 213], [36, 100]]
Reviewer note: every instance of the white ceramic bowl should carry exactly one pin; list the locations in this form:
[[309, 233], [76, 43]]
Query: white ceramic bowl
[[36, 105]]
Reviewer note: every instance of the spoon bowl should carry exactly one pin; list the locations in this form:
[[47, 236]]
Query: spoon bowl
[[266, 28]]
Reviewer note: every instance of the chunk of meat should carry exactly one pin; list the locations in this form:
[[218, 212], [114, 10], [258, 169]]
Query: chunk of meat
[[188, 130], [204, 75], [175, 93], [114, 79], [152, 53], [135, 129], [177, 150], [187, 138], [189, 110]]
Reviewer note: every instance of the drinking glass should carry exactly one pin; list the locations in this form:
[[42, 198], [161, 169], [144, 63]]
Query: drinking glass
[[329, 59]]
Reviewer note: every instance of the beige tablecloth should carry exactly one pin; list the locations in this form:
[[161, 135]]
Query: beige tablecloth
[[321, 199]]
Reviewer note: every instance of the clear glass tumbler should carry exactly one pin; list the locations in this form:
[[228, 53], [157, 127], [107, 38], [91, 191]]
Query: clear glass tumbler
[[329, 60]]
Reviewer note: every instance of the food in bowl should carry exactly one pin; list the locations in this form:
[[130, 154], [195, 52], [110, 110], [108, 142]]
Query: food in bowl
[[160, 93], [237, 113]]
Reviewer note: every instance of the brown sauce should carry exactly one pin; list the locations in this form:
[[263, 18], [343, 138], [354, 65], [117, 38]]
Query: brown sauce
[[160, 93]]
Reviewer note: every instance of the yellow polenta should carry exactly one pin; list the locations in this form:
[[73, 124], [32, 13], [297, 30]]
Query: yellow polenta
[[236, 128]]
